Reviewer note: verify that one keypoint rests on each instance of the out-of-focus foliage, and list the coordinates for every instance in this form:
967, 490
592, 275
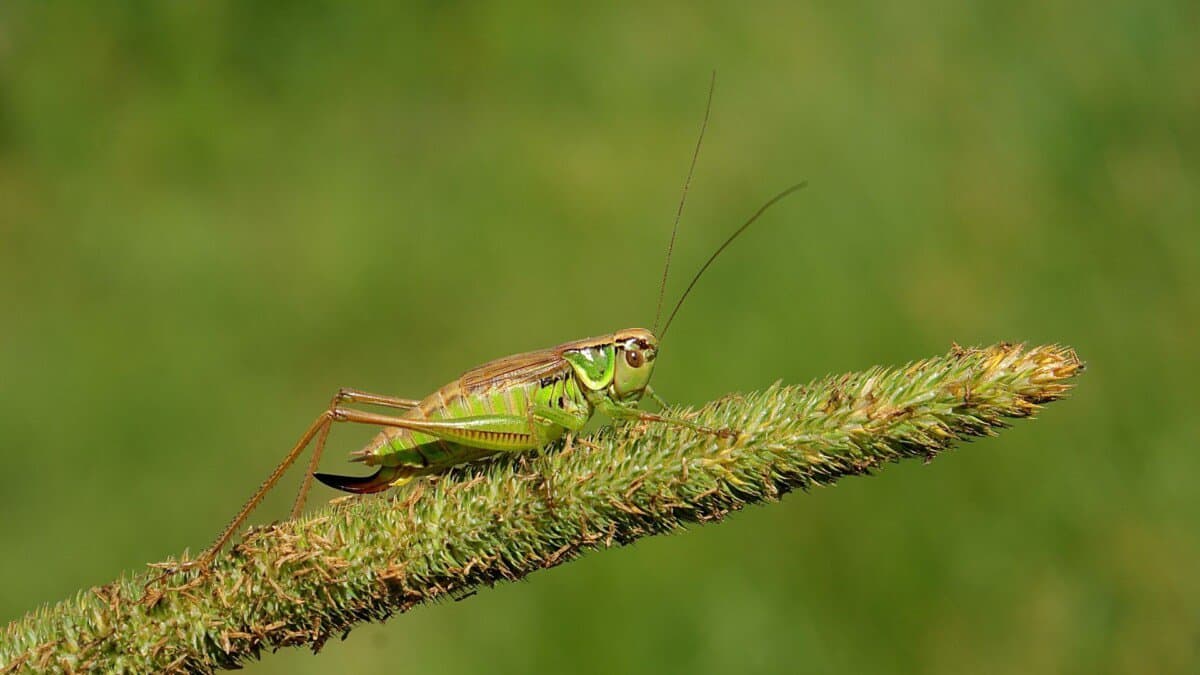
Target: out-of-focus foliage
214, 214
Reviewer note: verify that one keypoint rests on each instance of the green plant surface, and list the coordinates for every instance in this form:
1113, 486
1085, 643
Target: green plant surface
304, 581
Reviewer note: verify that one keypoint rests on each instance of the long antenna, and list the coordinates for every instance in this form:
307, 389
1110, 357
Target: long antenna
662, 289
762, 209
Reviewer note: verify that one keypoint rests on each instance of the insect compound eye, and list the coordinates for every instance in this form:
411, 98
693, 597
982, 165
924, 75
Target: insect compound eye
634, 358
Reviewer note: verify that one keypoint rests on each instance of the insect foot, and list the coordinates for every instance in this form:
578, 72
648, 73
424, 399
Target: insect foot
724, 433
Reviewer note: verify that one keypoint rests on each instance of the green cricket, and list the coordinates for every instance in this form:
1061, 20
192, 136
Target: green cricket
514, 404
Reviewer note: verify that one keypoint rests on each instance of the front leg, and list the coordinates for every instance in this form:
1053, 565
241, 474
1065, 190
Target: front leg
618, 411
657, 399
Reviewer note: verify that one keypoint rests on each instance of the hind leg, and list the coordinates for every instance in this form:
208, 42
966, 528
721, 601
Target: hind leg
318, 430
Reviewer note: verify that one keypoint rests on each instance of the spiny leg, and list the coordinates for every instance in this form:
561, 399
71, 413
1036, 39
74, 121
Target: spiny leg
347, 395
657, 399
651, 417
320, 429
630, 413
321, 424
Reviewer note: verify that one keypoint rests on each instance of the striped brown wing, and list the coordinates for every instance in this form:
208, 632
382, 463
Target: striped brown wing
527, 367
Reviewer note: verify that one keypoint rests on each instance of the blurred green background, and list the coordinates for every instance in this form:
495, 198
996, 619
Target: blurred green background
214, 214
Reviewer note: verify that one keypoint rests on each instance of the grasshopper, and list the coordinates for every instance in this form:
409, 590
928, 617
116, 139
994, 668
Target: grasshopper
514, 404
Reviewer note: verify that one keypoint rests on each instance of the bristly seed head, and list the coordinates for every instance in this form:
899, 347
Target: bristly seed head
305, 580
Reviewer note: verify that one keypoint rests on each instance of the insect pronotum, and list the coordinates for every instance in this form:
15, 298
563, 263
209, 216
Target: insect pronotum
513, 404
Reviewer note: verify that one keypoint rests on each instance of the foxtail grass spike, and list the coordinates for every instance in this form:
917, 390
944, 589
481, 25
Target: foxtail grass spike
303, 581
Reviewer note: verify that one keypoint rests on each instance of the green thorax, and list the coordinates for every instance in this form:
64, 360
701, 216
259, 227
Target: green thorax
593, 365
